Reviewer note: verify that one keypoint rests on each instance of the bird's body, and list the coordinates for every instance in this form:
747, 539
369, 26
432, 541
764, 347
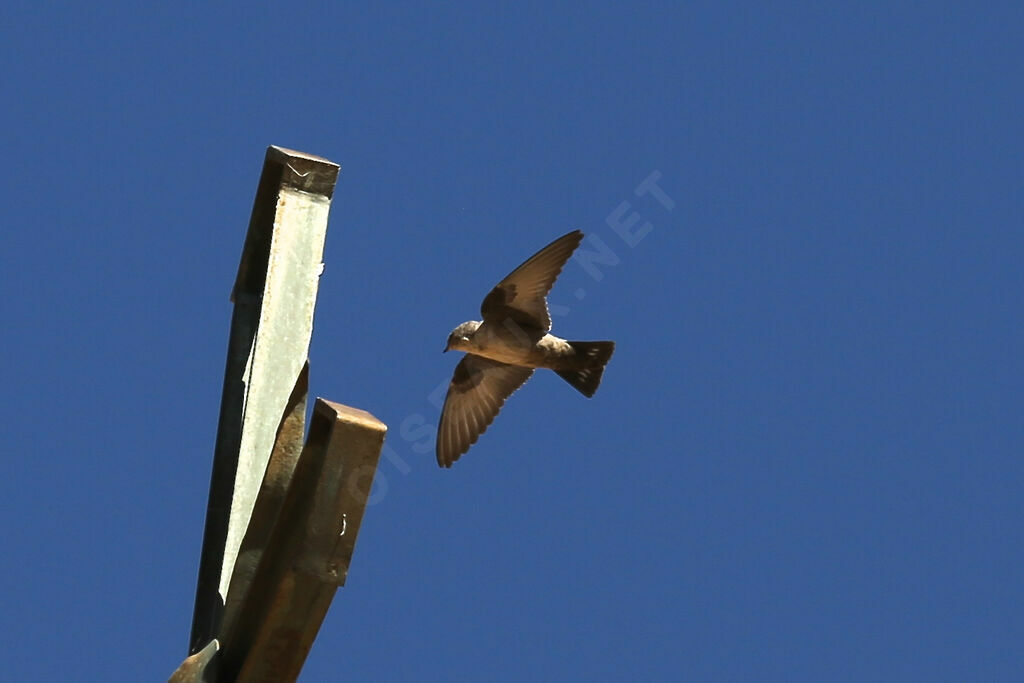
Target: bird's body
517, 346
503, 350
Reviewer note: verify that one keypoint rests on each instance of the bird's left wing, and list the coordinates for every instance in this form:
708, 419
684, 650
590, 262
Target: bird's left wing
477, 391
521, 296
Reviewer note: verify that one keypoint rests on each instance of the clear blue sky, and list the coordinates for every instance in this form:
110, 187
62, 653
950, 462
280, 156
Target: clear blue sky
804, 462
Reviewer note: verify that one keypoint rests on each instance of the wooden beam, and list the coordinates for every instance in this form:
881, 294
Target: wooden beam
309, 551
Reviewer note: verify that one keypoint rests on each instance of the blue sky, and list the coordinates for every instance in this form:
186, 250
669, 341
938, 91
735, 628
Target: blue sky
804, 462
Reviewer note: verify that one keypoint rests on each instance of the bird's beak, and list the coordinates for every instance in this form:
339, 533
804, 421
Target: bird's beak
445, 350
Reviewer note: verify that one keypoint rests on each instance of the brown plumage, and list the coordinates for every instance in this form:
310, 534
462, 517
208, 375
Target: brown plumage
503, 350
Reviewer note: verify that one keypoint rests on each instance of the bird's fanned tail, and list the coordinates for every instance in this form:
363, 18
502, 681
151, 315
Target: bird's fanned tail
591, 358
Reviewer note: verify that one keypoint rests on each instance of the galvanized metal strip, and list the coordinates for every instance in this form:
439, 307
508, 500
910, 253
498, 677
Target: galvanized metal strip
274, 295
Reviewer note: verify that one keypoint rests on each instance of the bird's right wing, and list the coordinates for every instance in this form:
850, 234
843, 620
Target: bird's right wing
478, 389
522, 295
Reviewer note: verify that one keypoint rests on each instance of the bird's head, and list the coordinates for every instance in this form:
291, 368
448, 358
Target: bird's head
458, 340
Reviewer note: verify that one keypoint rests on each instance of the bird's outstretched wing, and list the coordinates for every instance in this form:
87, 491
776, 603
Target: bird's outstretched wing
521, 296
478, 389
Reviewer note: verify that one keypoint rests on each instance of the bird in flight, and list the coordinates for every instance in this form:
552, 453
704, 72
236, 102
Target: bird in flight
503, 350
